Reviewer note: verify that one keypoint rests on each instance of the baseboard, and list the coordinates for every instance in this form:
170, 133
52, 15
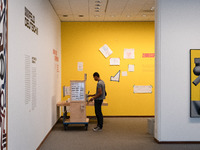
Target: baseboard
177, 142
124, 116
47, 135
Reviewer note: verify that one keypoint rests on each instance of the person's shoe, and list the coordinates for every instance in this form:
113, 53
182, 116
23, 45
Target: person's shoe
97, 129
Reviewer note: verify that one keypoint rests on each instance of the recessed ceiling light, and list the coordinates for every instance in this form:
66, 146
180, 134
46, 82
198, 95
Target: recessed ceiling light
97, 1
144, 15
65, 15
81, 15
97, 7
152, 8
97, 4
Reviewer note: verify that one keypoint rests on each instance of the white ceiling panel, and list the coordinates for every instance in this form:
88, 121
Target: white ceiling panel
79, 7
116, 7
61, 7
104, 10
97, 18
112, 18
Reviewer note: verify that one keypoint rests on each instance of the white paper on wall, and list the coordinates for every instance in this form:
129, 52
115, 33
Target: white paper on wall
124, 73
105, 50
114, 61
31, 82
66, 90
116, 77
131, 68
129, 53
142, 89
80, 66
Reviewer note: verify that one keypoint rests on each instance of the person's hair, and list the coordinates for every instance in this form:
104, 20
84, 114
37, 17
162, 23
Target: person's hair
96, 74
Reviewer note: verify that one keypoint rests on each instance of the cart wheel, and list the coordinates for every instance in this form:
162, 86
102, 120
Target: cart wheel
86, 127
66, 127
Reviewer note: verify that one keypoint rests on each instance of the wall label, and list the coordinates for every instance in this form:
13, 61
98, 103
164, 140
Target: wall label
30, 21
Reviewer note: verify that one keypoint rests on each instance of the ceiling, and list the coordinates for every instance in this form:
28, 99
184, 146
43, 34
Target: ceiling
104, 10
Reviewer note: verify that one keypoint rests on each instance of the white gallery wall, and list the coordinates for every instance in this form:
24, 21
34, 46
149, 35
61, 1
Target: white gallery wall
34, 76
177, 31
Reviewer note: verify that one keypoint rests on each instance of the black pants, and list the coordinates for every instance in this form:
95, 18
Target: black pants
99, 115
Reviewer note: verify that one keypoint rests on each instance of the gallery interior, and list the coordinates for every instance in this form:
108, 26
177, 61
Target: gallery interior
146, 52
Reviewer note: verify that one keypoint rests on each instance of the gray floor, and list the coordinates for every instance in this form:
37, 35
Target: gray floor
118, 134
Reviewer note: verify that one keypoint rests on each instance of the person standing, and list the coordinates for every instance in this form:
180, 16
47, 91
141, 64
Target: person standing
98, 100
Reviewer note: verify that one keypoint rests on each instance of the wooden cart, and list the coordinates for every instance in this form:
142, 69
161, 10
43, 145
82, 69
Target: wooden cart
77, 105
67, 122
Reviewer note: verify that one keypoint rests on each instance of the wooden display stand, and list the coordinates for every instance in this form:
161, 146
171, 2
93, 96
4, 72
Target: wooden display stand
77, 111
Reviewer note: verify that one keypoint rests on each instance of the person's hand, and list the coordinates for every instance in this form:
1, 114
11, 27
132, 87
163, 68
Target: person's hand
90, 95
91, 99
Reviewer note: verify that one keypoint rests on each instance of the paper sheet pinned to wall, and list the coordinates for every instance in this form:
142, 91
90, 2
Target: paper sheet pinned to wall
129, 53
80, 66
131, 68
105, 50
142, 89
66, 90
114, 61
124, 73
116, 77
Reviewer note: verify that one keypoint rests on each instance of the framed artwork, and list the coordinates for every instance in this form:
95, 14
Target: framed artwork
194, 83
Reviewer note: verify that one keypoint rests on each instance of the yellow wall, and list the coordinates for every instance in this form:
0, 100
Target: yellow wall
81, 42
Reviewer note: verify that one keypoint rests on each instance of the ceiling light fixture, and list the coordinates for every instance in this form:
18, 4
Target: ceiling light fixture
97, 7
144, 15
97, 4
97, 1
97, 10
152, 8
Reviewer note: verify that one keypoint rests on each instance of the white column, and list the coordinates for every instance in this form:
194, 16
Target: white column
177, 31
